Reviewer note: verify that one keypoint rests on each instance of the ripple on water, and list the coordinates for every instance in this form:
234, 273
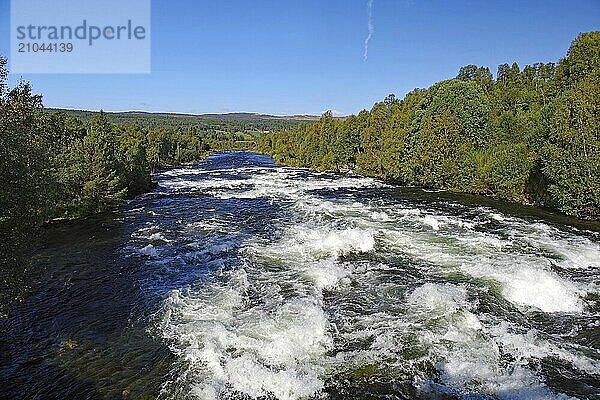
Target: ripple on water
348, 290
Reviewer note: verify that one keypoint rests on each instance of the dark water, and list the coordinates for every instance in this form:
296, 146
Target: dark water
236, 278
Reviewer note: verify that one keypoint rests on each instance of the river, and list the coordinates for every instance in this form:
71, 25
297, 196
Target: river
237, 279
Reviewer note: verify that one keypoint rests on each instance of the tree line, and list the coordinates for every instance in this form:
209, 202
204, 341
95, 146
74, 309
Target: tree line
66, 164
530, 135
53, 165
199, 124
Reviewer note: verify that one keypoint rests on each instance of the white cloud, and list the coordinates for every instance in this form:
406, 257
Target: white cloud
370, 28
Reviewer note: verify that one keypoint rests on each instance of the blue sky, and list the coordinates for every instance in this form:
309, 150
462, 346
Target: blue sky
305, 56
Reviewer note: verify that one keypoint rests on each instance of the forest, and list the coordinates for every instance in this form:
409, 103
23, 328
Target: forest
67, 164
530, 135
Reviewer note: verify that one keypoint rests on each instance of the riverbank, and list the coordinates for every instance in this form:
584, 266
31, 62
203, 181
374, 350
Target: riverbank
526, 135
526, 207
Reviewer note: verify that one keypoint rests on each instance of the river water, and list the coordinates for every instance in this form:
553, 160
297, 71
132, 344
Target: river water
239, 279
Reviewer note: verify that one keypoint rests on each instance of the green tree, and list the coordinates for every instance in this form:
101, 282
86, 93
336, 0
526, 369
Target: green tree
583, 59
571, 156
133, 159
435, 153
466, 101
23, 159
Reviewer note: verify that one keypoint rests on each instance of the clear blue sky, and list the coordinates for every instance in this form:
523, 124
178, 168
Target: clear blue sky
306, 56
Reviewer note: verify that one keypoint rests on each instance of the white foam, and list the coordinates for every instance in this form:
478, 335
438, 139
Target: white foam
439, 299
306, 243
432, 222
525, 346
467, 357
526, 279
326, 275
281, 183
157, 237
149, 250
255, 350
541, 289
262, 328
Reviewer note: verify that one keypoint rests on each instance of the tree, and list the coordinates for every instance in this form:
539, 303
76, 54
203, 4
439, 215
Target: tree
571, 156
97, 168
347, 144
466, 101
133, 161
390, 100
467, 73
371, 141
583, 59
434, 156
23, 158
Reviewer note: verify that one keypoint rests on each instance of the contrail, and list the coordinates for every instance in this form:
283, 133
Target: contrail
369, 27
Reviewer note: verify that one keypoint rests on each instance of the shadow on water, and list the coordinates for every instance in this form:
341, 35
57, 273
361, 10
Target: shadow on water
77, 328
79, 303
530, 213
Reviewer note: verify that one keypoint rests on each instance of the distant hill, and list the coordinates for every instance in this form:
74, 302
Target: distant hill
236, 116
253, 116
203, 124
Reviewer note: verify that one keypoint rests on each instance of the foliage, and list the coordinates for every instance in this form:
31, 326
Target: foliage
530, 135
56, 165
571, 155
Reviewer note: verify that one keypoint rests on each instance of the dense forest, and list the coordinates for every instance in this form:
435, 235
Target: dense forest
65, 164
531, 135
55, 166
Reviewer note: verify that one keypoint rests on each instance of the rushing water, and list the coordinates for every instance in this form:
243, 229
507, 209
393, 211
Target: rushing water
239, 279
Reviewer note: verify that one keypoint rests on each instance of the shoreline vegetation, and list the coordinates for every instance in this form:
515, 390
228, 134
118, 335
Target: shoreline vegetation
530, 136
62, 165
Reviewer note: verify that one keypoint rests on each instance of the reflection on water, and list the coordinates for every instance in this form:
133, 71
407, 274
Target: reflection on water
237, 278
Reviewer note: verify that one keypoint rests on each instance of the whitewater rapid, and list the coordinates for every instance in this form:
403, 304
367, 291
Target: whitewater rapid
288, 284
